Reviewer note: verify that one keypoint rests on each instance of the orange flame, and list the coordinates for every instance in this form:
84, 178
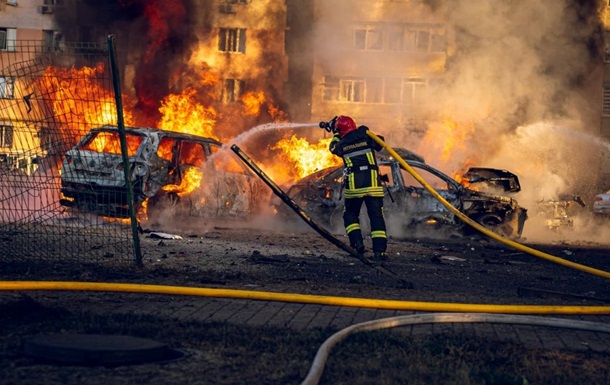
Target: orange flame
306, 157
252, 102
182, 113
190, 182
447, 142
68, 87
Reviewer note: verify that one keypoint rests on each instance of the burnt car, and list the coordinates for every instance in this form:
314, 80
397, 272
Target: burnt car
410, 205
189, 174
558, 214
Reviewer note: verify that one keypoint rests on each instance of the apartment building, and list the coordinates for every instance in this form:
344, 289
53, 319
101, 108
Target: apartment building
605, 118
376, 59
247, 46
24, 24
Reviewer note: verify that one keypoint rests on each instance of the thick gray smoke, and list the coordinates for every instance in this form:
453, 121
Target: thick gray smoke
521, 89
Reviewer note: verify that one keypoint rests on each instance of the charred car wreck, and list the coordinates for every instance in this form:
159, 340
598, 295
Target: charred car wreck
412, 206
188, 174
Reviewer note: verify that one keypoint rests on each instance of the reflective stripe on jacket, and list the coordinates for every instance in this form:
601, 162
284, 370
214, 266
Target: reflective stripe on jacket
358, 153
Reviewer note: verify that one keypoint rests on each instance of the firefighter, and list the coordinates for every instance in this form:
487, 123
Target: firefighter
361, 181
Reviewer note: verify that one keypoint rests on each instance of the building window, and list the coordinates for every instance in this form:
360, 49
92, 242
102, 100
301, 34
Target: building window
330, 88
232, 90
6, 136
7, 39
7, 87
11, 2
409, 37
53, 40
368, 38
411, 90
53, 2
374, 90
232, 40
606, 100
351, 90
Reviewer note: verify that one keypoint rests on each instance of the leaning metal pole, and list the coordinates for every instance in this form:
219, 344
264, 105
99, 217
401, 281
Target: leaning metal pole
322, 231
116, 82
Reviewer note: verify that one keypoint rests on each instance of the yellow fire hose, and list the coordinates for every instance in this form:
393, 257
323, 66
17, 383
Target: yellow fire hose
303, 298
340, 301
477, 226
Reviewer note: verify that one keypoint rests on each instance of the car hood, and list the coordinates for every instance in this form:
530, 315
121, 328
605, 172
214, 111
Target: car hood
491, 176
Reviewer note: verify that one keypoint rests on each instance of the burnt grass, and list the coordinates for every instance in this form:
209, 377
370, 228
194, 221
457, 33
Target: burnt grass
478, 271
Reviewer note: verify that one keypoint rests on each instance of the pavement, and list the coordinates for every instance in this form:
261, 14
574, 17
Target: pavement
301, 316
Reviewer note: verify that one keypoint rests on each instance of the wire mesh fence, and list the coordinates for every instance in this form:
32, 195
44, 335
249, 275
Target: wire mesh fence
50, 96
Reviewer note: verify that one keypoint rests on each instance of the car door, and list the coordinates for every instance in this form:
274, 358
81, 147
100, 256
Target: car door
419, 204
228, 189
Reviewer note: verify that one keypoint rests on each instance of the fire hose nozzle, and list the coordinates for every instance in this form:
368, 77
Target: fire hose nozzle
329, 126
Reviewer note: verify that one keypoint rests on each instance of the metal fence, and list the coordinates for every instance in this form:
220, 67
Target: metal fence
50, 96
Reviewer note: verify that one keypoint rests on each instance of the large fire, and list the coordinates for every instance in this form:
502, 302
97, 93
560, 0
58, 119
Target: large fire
181, 112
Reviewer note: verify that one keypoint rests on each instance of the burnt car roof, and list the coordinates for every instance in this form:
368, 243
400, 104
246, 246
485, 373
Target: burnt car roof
505, 179
159, 131
406, 155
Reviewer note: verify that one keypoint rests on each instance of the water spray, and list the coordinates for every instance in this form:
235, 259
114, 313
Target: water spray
268, 127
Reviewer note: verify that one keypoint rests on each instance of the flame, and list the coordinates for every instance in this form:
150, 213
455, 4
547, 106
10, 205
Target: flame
307, 158
447, 143
68, 88
182, 113
190, 182
252, 102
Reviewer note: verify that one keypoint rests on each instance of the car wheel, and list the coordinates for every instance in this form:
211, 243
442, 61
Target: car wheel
495, 223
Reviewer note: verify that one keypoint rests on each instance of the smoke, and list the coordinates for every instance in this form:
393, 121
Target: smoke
519, 89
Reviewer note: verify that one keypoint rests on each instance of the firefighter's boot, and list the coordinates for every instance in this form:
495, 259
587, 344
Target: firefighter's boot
359, 247
379, 256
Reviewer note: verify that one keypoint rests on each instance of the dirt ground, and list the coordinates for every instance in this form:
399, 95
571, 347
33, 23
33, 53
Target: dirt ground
295, 259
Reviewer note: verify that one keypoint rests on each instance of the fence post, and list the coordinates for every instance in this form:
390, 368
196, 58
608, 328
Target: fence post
116, 82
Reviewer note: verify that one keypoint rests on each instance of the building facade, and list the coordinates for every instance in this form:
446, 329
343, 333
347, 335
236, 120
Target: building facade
604, 179
377, 60
27, 28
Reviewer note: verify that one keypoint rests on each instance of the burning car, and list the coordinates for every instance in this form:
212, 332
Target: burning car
480, 196
189, 174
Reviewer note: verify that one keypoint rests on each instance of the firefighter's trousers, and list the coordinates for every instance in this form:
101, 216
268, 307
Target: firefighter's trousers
351, 220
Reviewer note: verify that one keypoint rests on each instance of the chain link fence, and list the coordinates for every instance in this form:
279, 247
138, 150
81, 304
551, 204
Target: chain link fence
50, 96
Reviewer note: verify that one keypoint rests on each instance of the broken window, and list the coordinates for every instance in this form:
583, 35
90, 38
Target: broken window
110, 143
392, 90
6, 136
192, 154
423, 41
374, 90
330, 88
368, 38
232, 90
52, 40
352, 90
232, 40
396, 38
166, 149
7, 87
7, 39
438, 43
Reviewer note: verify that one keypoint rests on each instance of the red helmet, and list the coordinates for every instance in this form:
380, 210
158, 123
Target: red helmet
344, 125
